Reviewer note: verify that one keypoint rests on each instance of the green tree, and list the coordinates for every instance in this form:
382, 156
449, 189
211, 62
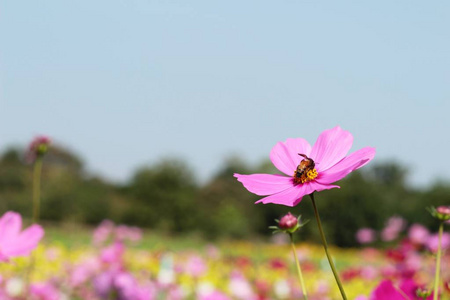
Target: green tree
163, 196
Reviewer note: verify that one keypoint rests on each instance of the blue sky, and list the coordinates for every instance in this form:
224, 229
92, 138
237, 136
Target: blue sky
129, 82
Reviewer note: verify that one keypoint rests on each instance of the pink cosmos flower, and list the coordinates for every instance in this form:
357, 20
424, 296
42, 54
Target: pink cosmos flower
84, 271
131, 233
12, 241
103, 232
45, 291
365, 235
308, 169
240, 288
113, 254
393, 228
418, 234
433, 242
195, 266
215, 295
387, 290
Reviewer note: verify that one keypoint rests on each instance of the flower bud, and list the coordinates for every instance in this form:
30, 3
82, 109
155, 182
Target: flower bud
423, 293
38, 147
442, 213
288, 221
288, 224
444, 210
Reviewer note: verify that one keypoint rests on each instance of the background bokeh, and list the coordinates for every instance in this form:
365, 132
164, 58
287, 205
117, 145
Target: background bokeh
153, 105
168, 197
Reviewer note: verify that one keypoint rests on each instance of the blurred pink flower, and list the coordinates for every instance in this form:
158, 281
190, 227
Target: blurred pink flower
45, 291
107, 229
103, 283
365, 235
433, 242
322, 287
146, 291
387, 290
12, 241
84, 271
126, 286
410, 287
103, 232
113, 254
240, 288
195, 266
369, 272
215, 295
418, 234
323, 164
133, 234
212, 251
122, 284
175, 293
388, 270
393, 228
413, 261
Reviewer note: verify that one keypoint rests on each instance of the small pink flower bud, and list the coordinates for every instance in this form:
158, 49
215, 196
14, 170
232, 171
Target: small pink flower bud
423, 293
38, 147
288, 221
441, 213
443, 210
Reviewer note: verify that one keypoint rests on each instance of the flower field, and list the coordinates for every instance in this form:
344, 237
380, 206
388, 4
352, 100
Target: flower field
120, 262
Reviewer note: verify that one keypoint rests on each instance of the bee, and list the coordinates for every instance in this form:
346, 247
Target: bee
307, 164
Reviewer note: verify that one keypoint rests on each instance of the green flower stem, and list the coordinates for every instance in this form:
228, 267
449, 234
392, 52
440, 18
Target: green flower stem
438, 264
37, 170
325, 246
299, 270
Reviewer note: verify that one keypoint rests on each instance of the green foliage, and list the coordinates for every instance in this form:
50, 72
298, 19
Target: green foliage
166, 196
163, 196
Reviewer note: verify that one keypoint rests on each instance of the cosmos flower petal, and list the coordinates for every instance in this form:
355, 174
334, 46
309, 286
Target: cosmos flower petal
265, 184
331, 146
294, 195
284, 155
287, 197
386, 290
25, 242
10, 225
352, 162
317, 186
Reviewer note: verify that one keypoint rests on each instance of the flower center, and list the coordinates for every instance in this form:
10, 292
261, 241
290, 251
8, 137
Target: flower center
306, 176
305, 171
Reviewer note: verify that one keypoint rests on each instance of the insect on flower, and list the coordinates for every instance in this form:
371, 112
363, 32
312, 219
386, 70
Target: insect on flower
308, 169
305, 170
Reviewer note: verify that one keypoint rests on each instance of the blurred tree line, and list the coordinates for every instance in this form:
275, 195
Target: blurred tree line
167, 196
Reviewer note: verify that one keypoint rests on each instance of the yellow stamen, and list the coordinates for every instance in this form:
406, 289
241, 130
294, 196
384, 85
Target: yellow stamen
310, 175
